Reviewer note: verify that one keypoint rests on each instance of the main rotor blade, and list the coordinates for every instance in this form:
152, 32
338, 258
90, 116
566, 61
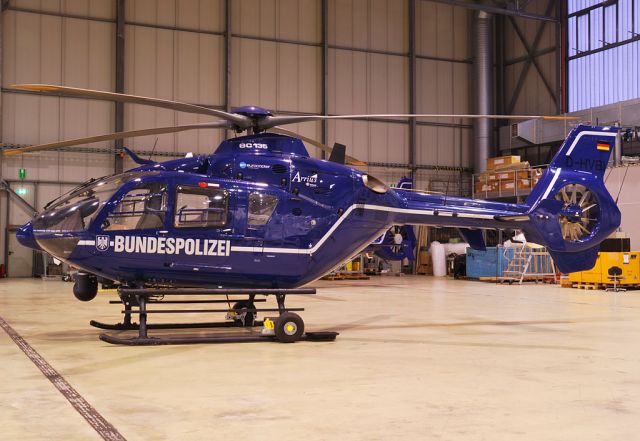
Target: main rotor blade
272, 121
119, 135
240, 121
325, 148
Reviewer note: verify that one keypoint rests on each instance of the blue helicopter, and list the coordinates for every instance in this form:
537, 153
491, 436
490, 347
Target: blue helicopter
262, 216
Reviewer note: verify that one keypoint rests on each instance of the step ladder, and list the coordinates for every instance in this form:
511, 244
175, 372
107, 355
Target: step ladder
528, 263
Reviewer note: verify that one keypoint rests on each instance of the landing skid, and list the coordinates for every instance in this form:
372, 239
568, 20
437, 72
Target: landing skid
287, 327
148, 341
136, 326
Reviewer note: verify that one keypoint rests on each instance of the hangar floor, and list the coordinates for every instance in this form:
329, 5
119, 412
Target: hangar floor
417, 358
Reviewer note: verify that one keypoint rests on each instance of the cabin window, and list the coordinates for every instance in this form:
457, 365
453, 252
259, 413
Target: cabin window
200, 207
142, 208
261, 208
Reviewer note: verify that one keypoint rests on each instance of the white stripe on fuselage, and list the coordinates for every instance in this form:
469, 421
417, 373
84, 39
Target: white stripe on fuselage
556, 175
328, 234
581, 134
346, 214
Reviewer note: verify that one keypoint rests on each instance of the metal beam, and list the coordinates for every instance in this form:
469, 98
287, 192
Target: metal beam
5, 245
500, 75
495, 9
324, 13
4, 185
227, 55
531, 60
559, 55
537, 54
118, 165
413, 132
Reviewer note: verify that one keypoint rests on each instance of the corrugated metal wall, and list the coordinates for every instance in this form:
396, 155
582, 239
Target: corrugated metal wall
176, 50
603, 50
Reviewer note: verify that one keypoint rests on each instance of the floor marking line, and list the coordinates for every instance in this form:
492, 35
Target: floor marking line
88, 412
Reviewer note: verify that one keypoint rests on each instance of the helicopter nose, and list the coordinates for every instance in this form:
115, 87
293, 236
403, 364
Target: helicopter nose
26, 238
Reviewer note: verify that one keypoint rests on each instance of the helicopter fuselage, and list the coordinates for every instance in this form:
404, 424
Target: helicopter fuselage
260, 212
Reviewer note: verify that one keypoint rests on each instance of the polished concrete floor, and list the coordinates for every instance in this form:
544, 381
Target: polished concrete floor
417, 358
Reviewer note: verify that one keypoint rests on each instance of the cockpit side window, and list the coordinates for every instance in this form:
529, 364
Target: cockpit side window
261, 208
200, 207
142, 208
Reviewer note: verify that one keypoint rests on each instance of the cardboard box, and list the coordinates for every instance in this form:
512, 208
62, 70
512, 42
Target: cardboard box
492, 163
482, 187
522, 184
426, 264
507, 185
508, 175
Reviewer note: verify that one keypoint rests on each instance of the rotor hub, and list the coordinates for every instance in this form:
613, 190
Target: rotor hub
579, 215
572, 212
253, 112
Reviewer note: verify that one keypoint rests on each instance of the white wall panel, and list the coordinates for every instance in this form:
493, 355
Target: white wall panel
443, 31
443, 146
201, 15
369, 24
173, 65
105, 9
276, 75
296, 20
372, 141
47, 49
367, 83
629, 201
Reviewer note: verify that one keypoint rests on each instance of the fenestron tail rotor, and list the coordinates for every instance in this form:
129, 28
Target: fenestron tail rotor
580, 213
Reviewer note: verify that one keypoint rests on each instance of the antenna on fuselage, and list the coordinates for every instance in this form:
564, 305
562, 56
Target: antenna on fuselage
153, 149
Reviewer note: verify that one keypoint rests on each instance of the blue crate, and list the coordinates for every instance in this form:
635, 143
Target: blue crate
489, 263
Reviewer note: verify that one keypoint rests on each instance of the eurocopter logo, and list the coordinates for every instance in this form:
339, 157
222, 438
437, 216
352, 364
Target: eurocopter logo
165, 245
253, 166
307, 180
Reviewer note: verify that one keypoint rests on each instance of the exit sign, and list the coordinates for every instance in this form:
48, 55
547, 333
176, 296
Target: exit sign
22, 173
22, 191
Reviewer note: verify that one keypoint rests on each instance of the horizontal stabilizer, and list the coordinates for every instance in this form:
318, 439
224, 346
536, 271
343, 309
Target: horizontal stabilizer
571, 262
473, 238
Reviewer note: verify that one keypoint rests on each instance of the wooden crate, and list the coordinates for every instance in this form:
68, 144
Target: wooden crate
508, 175
499, 161
522, 184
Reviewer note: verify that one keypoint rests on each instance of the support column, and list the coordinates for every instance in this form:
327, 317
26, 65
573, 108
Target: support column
227, 59
4, 223
119, 115
559, 57
500, 79
227, 55
412, 89
483, 79
325, 72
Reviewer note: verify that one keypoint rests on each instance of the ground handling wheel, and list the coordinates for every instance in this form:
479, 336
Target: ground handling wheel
289, 327
249, 317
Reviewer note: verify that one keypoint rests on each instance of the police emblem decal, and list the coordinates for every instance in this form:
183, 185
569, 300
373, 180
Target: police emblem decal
102, 243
